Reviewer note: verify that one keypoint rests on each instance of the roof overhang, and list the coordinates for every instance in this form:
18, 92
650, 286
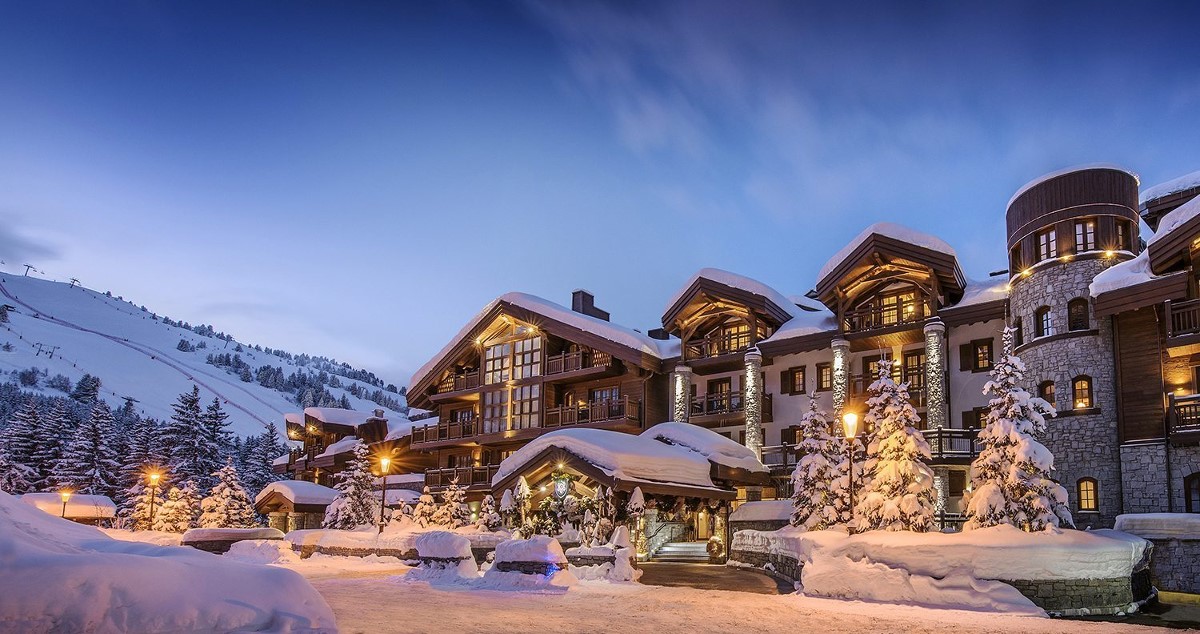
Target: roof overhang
1148, 293
1175, 247
876, 255
704, 290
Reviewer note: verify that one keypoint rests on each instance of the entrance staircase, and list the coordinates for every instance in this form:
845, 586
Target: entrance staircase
690, 552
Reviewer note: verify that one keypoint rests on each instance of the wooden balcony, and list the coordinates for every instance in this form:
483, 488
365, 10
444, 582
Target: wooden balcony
952, 446
716, 354
725, 408
455, 384
1183, 419
622, 409
444, 433
859, 390
1183, 322
578, 366
876, 318
476, 478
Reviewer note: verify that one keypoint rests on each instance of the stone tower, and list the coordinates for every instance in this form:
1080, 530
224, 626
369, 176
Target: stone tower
1064, 229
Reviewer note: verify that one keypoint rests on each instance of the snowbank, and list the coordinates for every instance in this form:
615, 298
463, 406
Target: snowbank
298, 492
1123, 275
713, 446
1160, 525
78, 506
890, 230
158, 538
540, 548
344, 445
62, 576
443, 545
763, 511
228, 534
1185, 182
263, 551
619, 455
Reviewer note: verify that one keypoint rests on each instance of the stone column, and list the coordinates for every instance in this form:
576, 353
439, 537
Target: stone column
935, 375
941, 484
841, 375
681, 393
752, 401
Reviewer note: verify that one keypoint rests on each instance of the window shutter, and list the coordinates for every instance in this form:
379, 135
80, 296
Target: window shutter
785, 382
965, 353
968, 420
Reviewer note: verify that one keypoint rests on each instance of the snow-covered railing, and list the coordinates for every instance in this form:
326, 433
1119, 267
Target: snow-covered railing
877, 317
1183, 415
466, 476
579, 360
454, 430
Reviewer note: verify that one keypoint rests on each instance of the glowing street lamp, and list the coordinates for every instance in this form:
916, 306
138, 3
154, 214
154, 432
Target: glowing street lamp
154, 476
384, 464
65, 494
850, 427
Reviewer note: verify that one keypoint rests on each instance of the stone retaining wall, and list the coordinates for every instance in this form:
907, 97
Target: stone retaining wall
757, 525
527, 567
218, 546
590, 560
1175, 566
776, 564
307, 550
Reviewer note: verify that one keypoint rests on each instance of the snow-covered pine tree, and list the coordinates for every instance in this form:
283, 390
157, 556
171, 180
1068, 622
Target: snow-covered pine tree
216, 439
606, 515
453, 511
21, 439
195, 452
898, 493
87, 390
142, 500
143, 454
227, 505
180, 510
87, 464
423, 512
268, 447
635, 509
14, 476
523, 494
587, 529
57, 426
508, 507
355, 504
814, 501
1011, 481
489, 519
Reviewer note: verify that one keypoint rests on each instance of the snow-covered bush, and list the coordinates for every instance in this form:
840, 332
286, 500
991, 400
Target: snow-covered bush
424, 511
453, 512
179, 509
816, 505
227, 505
488, 518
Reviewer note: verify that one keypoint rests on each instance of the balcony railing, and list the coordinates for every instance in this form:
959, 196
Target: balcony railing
860, 384
466, 476
594, 412
718, 345
456, 382
453, 430
728, 403
1183, 318
1183, 419
572, 361
877, 317
945, 442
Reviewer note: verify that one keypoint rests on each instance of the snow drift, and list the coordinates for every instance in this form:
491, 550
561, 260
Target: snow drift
62, 576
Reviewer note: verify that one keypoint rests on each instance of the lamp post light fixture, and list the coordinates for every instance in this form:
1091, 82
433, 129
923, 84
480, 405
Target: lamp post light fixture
154, 476
850, 427
65, 494
384, 464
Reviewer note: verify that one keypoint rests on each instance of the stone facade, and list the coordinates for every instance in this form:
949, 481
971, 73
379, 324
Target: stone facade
1084, 442
529, 567
1176, 565
757, 525
307, 550
1144, 480
1184, 462
591, 560
777, 564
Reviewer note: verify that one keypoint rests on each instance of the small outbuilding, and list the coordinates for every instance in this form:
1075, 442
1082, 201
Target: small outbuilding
294, 504
82, 508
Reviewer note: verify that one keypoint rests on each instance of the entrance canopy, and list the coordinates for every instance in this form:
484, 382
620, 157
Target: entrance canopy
667, 459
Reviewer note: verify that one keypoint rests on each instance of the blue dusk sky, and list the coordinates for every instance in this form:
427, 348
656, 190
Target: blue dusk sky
358, 179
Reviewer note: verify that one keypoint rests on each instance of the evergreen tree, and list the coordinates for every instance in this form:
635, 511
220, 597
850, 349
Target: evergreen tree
508, 507
523, 494
56, 428
898, 494
489, 519
1011, 480
606, 515
216, 438
184, 440
14, 476
21, 440
3, 313
87, 390
453, 512
143, 454
634, 510
143, 502
423, 513
259, 459
180, 510
814, 500
355, 504
227, 505
87, 464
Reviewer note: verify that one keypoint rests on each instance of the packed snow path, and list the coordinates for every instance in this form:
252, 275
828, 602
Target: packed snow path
379, 603
155, 355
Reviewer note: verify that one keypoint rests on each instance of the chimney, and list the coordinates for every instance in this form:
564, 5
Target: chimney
584, 303
378, 413
659, 333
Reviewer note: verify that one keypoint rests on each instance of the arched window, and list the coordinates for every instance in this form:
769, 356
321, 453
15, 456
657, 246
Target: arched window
1086, 489
1046, 391
1081, 392
1043, 322
1077, 314
1191, 492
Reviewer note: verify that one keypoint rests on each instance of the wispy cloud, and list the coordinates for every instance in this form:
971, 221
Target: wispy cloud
17, 249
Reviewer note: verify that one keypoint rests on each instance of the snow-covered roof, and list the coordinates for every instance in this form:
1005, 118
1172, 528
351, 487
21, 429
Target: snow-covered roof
740, 282
79, 506
890, 230
294, 418
298, 492
339, 416
607, 330
1063, 172
1123, 275
803, 324
763, 510
401, 426
1175, 219
1185, 182
983, 291
284, 459
621, 456
343, 445
713, 446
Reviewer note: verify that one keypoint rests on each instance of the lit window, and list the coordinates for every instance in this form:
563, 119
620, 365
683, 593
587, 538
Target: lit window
495, 411
794, 380
1081, 392
824, 376
982, 356
1047, 244
1085, 235
1087, 494
1077, 314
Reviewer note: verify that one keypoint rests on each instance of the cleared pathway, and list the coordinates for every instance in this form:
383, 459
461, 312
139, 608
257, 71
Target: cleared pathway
711, 577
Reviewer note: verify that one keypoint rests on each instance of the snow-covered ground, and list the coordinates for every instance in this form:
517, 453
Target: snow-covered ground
373, 604
134, 354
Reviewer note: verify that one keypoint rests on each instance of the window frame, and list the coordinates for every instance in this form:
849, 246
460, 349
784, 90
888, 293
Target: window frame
1043, 322
1047, 388
1082, 495
1191, 493
1085, 235
1047, 244
1073, 325
824, 377
1088, 393
976, 346
790, 375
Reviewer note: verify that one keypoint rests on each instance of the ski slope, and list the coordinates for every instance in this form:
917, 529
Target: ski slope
134, 354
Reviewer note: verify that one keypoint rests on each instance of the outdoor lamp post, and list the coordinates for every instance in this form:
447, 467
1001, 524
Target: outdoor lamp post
154, 476
66, 495
850, 427
384, 463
